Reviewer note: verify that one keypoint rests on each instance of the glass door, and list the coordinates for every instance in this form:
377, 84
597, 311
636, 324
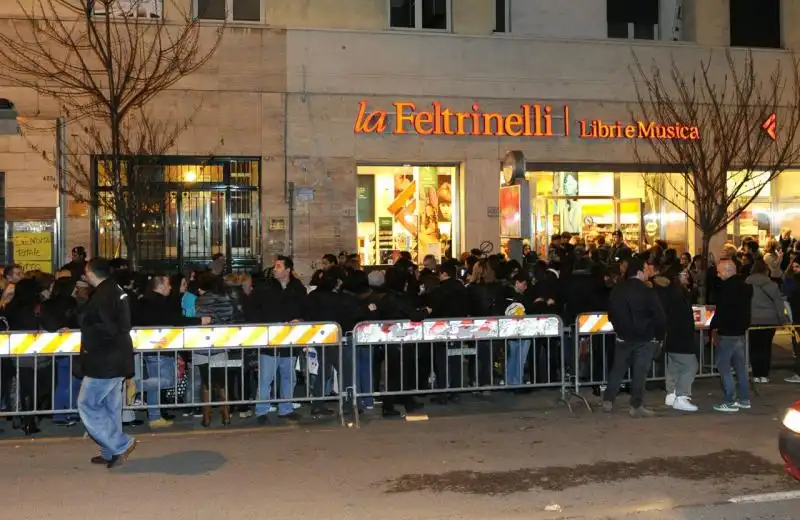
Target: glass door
629, 221
202, 225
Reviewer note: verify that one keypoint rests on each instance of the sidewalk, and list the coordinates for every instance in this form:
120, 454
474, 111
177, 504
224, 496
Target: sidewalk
767, 399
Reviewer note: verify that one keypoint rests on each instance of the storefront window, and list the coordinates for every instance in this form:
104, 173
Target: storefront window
406, 208
757, 219
595, 184
748, 186
673, 219
631, 186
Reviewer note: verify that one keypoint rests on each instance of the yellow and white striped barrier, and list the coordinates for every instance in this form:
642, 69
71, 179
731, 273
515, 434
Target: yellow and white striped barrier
597, 323
594, 323
188, 338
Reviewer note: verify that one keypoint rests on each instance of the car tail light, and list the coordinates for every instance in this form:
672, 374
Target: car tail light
792, 418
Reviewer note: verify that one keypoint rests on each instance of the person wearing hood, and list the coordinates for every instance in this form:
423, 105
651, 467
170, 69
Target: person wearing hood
679, 343
768, 312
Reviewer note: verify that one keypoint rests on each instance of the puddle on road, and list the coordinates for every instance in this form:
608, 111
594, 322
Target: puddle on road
722, 465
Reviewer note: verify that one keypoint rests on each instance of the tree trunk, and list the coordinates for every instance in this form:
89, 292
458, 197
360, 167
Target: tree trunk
705, 252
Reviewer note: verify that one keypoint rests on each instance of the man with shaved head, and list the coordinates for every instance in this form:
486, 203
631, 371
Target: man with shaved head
728, 329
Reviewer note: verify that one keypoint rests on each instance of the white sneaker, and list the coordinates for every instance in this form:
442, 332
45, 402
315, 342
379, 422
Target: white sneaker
794, 379
670, 400
684, 404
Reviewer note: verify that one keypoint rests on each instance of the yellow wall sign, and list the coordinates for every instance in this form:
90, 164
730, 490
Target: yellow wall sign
34, 251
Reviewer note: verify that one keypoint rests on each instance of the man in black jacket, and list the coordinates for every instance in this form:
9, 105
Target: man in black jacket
639, 323
105, 360
281, 299
448, 300
156, 310
728, 328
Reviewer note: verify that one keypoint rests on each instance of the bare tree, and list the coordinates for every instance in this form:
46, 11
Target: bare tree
739, 133
104, 62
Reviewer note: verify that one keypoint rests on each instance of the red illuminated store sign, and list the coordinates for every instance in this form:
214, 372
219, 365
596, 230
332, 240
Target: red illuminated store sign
532, 120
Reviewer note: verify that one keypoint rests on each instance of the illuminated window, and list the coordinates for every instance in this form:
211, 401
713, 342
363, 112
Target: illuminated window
420, 14
406, 208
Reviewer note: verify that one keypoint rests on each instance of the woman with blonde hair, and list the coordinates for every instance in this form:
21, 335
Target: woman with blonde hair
486, 296
773, 257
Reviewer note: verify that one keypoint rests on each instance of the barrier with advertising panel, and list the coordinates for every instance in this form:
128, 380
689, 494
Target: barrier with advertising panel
457, 355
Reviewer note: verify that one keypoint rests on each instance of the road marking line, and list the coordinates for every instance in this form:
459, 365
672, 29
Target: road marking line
765, 497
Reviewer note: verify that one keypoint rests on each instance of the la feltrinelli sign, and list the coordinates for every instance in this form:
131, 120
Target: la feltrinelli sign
532, 120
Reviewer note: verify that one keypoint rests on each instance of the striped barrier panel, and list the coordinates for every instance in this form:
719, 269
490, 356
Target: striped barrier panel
594, 323
597, 323
188, 338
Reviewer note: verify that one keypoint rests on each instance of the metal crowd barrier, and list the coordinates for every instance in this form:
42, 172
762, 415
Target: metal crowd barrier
396, 360
594, 340
225, 366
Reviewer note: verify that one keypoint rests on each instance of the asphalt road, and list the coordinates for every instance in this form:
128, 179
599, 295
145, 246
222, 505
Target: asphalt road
531, 464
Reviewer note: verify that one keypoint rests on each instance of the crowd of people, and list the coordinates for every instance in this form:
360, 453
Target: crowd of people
648, 297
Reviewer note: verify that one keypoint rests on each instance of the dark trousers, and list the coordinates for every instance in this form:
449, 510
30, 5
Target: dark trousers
401, 374
636, 355
448, 368
796, 348
481, 365
761, 351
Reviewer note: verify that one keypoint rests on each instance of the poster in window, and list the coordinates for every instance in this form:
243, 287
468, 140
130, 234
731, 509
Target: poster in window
429, 208
385, 238
445, 193
510, 225
365, 198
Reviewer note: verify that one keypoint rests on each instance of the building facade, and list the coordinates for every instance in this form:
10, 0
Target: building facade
378, 125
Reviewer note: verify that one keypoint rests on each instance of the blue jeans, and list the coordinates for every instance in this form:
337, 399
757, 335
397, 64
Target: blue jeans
361, 372
516, 355
160, 376
67, 388
100, 407
731, 353
268, 367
